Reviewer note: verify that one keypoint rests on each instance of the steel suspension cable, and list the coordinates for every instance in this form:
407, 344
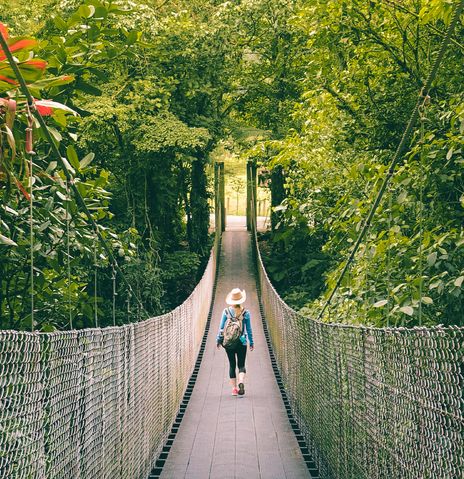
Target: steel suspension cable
68, 253
31, 232
95, 280
63, 162
424, 93
422, 112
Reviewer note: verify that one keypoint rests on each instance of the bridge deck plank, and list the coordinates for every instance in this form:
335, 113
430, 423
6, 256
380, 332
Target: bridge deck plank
222, 436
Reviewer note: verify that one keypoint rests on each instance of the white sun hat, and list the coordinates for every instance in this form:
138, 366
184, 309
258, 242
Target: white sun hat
236, 296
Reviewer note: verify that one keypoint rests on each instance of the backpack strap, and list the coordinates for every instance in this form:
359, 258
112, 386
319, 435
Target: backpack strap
240, 316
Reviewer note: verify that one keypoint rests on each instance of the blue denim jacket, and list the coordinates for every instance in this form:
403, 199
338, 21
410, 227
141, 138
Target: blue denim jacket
247, 331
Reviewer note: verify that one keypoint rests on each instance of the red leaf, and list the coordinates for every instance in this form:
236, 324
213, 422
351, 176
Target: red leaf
23, 190
40, 64
24, 43
8, 80
4, 31
47, 106
19, 45
43, 109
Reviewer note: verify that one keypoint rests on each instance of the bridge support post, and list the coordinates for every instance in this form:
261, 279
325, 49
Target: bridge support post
216, 197
221, 194
251, 188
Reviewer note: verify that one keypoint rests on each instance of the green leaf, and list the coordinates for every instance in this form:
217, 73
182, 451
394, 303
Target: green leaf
11, 211
101, 12
7, 241
87, 160
52, 82
11, 141
51, 167
60, 24
68, 166
48, 328
86, 11
432, 258
88, 88
380, 303
407, 310
44, 226
402, 197
427, 300
55, 133
132, 37
72, 157
458, 281
61, 196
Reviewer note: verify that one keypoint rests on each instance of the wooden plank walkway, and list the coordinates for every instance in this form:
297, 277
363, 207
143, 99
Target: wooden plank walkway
222, 436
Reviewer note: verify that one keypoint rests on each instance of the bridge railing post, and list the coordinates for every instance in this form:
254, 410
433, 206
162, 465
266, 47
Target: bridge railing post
217, 203
251, 193
222, 194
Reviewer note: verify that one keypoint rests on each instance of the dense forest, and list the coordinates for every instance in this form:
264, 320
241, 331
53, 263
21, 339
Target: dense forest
139, 98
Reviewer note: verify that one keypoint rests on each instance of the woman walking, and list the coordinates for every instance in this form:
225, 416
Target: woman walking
234, 334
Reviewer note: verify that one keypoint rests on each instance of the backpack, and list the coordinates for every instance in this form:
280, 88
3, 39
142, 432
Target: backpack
233, 329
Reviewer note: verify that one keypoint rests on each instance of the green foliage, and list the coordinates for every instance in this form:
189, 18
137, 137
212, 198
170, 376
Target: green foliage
317, 92
148, 118
179, 276
365, 63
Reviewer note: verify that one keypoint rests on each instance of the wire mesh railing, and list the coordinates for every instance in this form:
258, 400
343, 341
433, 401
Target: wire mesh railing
372, 403
98, 403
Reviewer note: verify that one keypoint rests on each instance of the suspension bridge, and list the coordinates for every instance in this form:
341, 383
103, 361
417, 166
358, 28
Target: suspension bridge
150, 399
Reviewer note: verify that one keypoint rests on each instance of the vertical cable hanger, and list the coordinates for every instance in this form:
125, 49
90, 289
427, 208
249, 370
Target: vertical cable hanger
389, 226
422, 113
366, 254
68, 254
30, 152
113, 279
95, 280
349, 285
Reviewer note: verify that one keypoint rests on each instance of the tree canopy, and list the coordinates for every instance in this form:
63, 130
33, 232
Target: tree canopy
138, 95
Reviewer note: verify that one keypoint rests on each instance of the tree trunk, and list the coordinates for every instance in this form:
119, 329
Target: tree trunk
199, 207
183, 172
277, 194
163, 204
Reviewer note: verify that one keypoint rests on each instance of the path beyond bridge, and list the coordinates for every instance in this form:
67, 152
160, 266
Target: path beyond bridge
222, 436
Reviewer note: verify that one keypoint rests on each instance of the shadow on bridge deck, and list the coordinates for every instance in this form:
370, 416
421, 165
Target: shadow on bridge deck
222, 436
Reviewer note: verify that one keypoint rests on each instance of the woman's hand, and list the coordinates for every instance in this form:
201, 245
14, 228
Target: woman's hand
252, 347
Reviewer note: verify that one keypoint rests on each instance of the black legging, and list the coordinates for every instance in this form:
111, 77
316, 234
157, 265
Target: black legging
240, 351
